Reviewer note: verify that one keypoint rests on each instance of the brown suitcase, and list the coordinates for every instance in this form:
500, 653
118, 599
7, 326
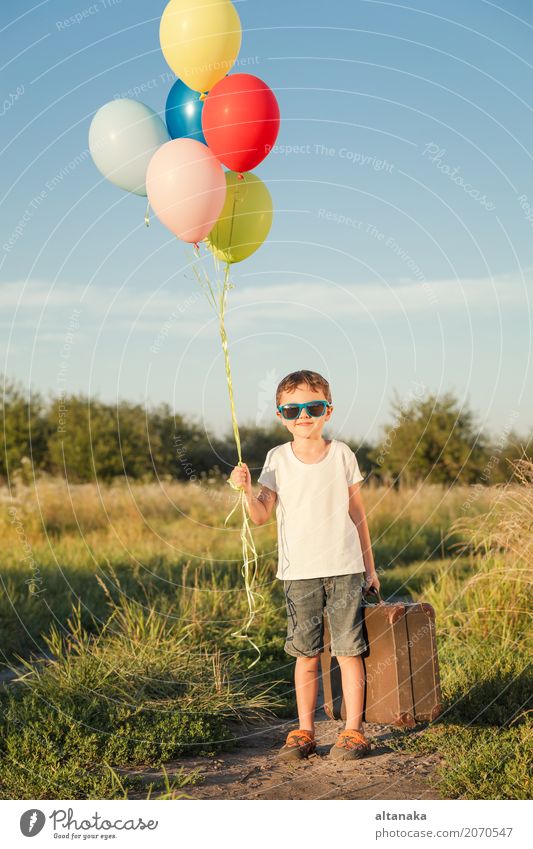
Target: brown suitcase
402, 684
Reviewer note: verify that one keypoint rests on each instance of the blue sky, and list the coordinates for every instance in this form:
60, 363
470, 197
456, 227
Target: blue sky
401, 254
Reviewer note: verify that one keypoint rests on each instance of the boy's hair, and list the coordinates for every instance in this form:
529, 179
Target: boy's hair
314, 380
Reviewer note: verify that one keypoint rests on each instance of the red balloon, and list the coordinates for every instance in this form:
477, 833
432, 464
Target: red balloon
240, 121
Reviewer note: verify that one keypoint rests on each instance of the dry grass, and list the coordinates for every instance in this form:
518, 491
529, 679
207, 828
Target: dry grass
169, 545
484, 628
174, 518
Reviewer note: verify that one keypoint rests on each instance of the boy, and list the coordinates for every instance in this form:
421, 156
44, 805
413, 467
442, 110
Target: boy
324, 551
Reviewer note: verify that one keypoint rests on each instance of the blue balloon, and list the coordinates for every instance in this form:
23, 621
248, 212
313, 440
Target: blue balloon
183, 113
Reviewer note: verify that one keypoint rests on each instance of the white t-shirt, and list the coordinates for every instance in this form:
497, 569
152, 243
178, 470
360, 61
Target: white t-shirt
316, 536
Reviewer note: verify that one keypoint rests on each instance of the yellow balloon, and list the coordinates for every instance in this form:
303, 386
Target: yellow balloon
245, 220
200, 40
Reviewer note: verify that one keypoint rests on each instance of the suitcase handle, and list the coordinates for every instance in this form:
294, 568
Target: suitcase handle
373, 591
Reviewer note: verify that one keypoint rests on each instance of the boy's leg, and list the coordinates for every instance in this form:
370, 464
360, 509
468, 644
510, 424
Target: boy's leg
305, 603
344, 611
353, 690
306, 686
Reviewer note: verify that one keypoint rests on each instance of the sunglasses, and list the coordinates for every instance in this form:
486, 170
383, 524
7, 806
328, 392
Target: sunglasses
315, 409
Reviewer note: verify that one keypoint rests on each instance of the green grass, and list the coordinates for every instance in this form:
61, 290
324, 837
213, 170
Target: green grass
137, 602
484, 641
135, 694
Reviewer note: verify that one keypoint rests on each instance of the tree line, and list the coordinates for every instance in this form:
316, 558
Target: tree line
433, 438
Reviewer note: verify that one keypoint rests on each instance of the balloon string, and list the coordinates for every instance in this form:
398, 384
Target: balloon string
249, 551
224, 340
230, 240
147, 215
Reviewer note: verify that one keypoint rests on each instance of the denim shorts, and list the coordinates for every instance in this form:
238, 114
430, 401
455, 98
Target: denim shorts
341, 598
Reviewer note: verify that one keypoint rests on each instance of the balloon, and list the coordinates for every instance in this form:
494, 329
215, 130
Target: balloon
200, 40
184, 112
245, 219
123, 137
240, 121
186, 188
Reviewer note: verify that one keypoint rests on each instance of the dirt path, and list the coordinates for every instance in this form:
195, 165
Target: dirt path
253, 771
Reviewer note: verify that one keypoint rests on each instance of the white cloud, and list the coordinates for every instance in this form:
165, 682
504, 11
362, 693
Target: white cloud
189, 312
300, 300
34, 294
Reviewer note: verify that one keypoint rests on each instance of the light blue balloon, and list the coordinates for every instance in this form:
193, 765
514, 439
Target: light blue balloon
183, 113
123, 137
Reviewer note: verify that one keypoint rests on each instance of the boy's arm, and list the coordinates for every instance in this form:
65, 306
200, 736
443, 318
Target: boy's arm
260, 507
358, 516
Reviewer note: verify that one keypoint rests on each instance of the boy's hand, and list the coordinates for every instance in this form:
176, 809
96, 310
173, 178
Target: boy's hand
372, 580
241, 477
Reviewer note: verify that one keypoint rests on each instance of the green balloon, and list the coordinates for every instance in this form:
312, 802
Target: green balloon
245, 220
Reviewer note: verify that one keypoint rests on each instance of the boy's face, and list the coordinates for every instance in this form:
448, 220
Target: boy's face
305, 427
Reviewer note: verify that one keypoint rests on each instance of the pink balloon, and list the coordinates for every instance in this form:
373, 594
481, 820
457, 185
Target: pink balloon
186, 188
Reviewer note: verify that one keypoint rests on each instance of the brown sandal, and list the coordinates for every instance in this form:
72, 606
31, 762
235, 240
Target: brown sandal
350, 744
299, 744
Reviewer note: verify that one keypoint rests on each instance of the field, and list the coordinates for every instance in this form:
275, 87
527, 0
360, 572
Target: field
118, 605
